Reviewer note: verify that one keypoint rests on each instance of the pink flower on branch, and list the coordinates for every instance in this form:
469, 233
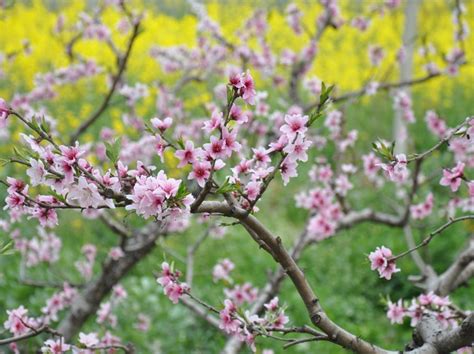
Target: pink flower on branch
295, 124
380, 261
396, 312
453, 177
170, 283
201, 172
57, 346
186, 155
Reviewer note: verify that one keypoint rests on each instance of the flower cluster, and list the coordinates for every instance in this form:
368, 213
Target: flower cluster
422, 210
172, 287
158, 197
436, 124
396, 170
222, 270
18, 322
429, 303
44, 248
245, 327
244, 86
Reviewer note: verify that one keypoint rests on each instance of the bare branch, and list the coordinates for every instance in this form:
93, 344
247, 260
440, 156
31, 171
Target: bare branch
118, 76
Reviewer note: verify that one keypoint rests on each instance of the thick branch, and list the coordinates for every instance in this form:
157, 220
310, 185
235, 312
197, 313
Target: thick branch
437, 340
89, 299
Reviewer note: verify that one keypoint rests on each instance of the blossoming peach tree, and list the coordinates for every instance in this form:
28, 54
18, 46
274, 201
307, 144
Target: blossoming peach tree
228, 161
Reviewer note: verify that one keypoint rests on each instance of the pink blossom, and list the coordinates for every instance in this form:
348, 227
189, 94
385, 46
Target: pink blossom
371, 88
396, 312
435, 124
143, 322
201, 172
85, 195
216, 121
162, 125
235, 80
237, 115
396, 170
89, 340
36, 172
116, 253
272, 305
243, 167
52, 346
320, 227
16, 185
171, 286
105, 315
187, 155
371, 165
222, 270
169, 186
14, 200
297, 150
174, 291
228, 323
217, 148
360, 23
380, 261
242, 293
247, 91
293, 17
295, 124
421, 211
230, 140
342, 185
71, 154
260, 155
47, 217
288, 170
17, 322
471, 188
252, 190
4, 112
453, 177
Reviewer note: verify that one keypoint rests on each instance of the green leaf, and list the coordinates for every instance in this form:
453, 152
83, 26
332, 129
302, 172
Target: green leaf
314, 116
182, 191
58, 196
6, 249
181, 142
228, 187
230, 94
113, 150
149, 129
44, 125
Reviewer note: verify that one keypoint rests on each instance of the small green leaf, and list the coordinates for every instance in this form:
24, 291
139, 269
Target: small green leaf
6, 249
230, 94
182, 191
181, 142
113, 150
149, 129
228, 187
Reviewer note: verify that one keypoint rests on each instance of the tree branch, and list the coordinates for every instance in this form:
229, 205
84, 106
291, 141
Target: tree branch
118, 76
